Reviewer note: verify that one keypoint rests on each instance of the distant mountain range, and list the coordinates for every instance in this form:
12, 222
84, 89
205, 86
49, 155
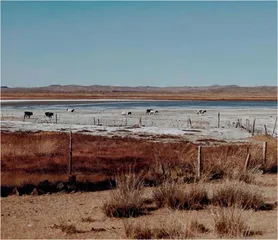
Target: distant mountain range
177, 89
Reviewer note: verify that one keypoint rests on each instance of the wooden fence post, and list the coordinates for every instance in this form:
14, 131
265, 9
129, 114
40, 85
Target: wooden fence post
140, 121
274, 127
94, 121
190, 124
264, 152
219, 120
126, 121
248, 125
70, 153
265, 130
56, 118
98, 121
247, 161
253, 128
247, 149
199, 163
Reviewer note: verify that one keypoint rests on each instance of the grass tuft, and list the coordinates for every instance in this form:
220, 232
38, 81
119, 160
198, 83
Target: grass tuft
229, 222
176, 196
127, 199
236, 193
172, 228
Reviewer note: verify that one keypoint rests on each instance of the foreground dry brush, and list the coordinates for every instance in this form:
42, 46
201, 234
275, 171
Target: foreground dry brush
127, 200
172, 228
239, 194
231, 223
180, 196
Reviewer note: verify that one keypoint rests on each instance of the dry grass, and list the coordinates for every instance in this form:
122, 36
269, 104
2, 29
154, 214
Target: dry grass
237, 194
172, 228
34, 157
127, 200
177, 196
271, 163
250, 176
38, 147
172, 166
231, 223
95, 158
67, 228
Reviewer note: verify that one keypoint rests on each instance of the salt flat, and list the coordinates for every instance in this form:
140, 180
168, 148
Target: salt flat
172, 121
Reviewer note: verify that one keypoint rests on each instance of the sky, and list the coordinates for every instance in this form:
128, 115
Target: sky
138, 43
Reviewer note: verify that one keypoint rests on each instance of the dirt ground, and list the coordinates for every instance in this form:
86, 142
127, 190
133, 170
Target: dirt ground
36, 216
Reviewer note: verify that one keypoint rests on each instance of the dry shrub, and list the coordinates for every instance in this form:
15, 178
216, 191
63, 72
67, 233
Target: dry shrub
172, 228
127, 200
173, 167
219, 163
163, 194
271, 163
177, 196
240, 194
229, 222
249, 176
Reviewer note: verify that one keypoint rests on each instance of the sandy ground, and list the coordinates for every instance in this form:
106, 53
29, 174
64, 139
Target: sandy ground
34, 216
167, 121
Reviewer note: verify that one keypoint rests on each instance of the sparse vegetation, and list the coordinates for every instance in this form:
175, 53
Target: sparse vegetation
235, 193
127, 200
173, 228
178, 196
67, 228
230, 223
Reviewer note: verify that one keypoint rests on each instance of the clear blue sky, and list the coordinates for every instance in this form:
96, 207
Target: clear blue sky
139, 43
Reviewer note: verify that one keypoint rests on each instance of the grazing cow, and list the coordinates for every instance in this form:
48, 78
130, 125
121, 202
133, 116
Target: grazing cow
70, 109
148, 111
156, 112
124, 113
49, 114
152, 112
129, 113
201, 111
28, 114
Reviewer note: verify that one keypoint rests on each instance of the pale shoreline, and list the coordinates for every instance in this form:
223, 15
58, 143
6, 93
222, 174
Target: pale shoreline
169, 121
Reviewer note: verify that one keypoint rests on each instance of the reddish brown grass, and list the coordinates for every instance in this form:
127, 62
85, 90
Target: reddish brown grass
33, 157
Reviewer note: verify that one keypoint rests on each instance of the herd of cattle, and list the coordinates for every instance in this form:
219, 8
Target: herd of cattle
28, 114
149, 111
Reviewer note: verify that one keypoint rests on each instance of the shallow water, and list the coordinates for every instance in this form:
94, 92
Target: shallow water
56, 105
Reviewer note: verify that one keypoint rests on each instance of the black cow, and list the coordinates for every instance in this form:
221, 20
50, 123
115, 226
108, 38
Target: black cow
148, 111
129, 113
28, 114
49, 114
156, 112
201, 112
70, 109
